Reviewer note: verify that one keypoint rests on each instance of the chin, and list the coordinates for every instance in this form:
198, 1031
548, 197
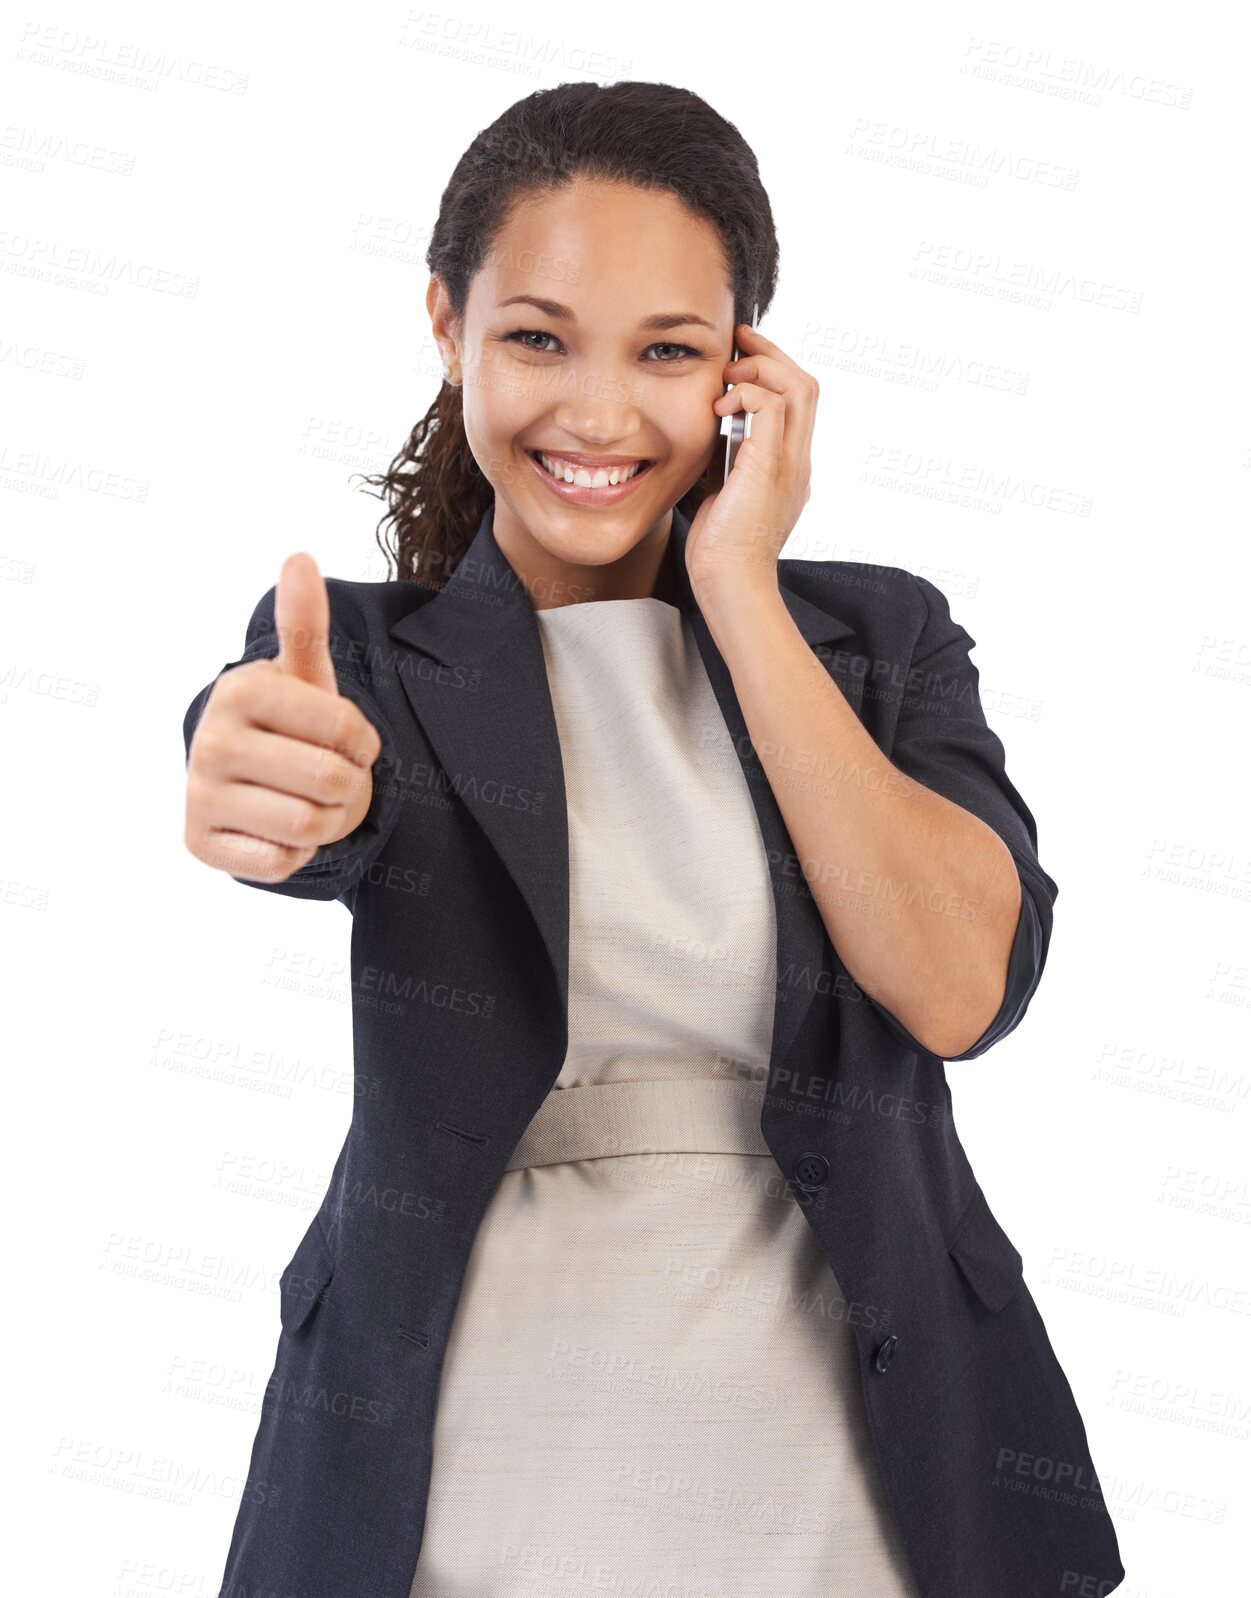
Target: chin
589, 546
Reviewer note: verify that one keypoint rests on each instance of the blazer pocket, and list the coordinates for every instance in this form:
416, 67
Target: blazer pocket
305, 1278
985, 1253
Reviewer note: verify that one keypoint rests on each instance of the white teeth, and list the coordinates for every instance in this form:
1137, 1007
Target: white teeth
581, 477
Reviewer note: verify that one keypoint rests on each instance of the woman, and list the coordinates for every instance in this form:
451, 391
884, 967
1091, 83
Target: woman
652, 1257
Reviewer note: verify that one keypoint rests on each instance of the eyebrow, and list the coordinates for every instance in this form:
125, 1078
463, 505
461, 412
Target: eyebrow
661, 323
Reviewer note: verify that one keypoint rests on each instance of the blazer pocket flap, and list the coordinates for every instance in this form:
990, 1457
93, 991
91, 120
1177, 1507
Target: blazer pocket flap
306, 1278
985, 1254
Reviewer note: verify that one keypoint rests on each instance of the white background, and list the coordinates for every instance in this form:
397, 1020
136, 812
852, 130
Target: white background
212, 266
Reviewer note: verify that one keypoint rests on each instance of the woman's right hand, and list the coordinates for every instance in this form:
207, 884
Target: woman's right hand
281, 762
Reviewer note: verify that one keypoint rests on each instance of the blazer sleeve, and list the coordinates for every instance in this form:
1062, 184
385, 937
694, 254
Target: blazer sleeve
336, 868
943, 741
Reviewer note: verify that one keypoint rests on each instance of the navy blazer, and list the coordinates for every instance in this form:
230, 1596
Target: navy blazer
458, 884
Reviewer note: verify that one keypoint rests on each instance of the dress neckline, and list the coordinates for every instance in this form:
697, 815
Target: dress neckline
599, 605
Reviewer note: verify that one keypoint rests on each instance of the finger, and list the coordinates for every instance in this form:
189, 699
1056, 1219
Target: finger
799, 397
254, 858
767, 370
752, 340
295, 766
798, 387
765, 362
765, 443
297, 709
302, 617
267, 814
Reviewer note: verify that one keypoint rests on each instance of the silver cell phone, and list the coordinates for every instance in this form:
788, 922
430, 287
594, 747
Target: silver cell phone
734, 429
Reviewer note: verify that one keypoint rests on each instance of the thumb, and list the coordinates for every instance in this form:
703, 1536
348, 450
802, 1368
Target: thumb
302, 617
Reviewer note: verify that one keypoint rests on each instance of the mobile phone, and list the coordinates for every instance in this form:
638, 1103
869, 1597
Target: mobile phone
734, 429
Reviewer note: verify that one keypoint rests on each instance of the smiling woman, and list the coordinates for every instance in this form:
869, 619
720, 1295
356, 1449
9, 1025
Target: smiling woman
680, 1277
586, 279
586, 383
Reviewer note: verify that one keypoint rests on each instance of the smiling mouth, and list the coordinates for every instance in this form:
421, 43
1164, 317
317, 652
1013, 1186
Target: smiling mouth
564, 471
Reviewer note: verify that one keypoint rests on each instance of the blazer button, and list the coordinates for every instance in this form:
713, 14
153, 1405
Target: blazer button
886, 1353
811, 1171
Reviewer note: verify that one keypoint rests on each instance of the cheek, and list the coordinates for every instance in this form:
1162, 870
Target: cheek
490, 453
697, 435
499, 413
688, 424
491, 430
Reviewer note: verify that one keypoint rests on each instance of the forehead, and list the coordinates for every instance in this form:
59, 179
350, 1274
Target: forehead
609, 251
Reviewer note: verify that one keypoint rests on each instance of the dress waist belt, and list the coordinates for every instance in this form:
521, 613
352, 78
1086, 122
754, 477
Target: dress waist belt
705, 1115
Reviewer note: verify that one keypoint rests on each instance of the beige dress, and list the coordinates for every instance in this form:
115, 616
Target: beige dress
650, 1383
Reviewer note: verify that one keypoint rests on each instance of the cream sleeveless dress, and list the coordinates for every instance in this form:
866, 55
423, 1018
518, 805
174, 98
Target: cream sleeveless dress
650, 1385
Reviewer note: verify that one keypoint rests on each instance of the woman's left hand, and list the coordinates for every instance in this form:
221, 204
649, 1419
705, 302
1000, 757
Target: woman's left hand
738, 531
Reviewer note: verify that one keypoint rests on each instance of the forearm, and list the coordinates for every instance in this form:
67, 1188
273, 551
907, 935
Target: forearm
920, 898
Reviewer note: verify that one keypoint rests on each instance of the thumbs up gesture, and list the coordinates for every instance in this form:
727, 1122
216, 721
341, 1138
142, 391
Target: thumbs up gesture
281, 762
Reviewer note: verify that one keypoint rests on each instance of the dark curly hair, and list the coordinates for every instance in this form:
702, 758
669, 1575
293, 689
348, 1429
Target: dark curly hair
652, 135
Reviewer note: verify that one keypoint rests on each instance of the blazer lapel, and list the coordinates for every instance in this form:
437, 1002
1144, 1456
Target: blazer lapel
486, 708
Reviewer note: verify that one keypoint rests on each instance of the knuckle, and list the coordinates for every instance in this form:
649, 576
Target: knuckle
264, 864
306, 824
346, 723
370, 740
296, 859
231, 685
245, 685
360, 734
208, 747
195, 796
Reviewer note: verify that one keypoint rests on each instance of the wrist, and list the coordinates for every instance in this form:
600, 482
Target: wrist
726, 600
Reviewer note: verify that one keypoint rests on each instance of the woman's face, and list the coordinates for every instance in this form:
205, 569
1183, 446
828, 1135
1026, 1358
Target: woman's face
620, 323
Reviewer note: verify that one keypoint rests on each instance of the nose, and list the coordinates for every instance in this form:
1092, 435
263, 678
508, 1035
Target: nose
602, 411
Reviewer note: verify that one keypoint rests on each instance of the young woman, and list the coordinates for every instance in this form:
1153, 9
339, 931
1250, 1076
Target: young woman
652, 1260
